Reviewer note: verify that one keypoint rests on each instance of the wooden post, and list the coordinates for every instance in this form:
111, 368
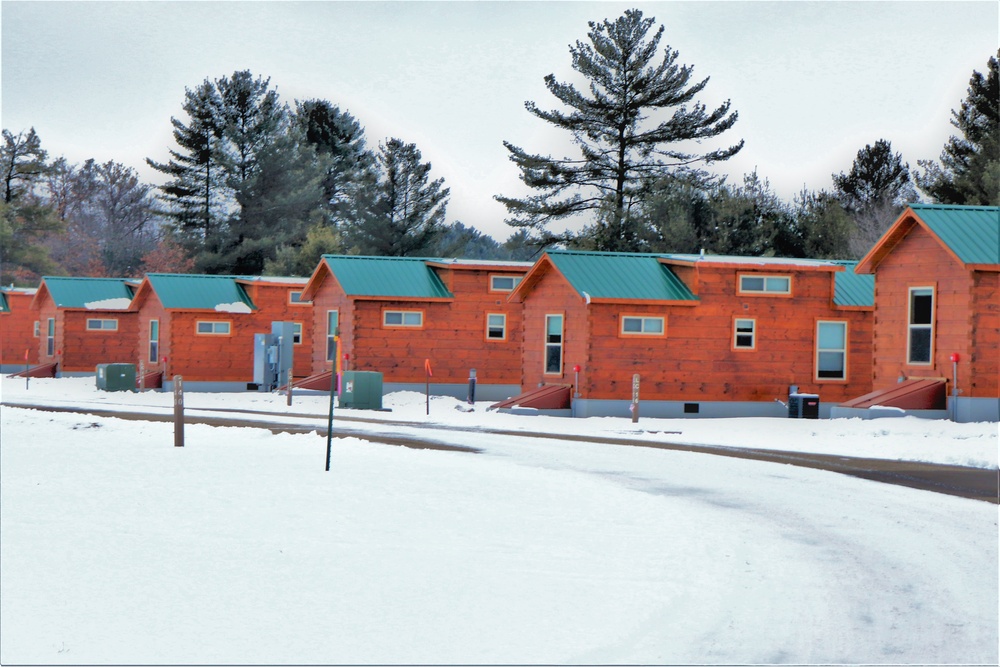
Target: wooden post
289, 402
635, 398
178, 411
427, 383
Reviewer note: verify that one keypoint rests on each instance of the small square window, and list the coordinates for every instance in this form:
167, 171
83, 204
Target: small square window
496, 327
744, 334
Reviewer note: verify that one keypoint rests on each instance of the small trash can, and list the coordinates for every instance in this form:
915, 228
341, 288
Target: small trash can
803, 406
116, 377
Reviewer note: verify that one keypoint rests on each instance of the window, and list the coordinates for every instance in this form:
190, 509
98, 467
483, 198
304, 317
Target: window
214, 328
744, 334
642, 326
403, 318
496, 326
50, 337
761, 284
38, 329
504, 283
154, 341
296, 333
831, 350
102, 325
332, 331
553, 344
296, 298
920, 342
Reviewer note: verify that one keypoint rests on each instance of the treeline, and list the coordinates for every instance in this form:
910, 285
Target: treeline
257, 186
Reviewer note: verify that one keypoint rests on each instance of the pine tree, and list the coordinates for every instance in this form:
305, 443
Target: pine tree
969, 172
196, 192
874, 192
405, 210
622, 146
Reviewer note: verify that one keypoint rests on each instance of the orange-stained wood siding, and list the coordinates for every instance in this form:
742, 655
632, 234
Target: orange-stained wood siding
17, 329
695, 360
83, 350
966, 316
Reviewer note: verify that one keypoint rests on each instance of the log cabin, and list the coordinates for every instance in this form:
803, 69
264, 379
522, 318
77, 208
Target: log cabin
84, 322
937, 306
400, 316
19, 329
202, 327
708, 336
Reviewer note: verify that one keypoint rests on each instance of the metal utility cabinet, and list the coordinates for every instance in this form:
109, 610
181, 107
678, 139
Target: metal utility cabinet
116, 377
361, 390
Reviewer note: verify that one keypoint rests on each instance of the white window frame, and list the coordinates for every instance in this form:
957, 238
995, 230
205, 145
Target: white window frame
296, 302
832, 350
38, 329
406, 319
766, 286
554, 345
644, 320
154, 356
515, 281
50, 337
98, 324
912, 327
296, 333
491, 327
752, 333
214, 325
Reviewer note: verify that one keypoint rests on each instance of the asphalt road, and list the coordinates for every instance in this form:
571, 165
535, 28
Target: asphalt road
975, 483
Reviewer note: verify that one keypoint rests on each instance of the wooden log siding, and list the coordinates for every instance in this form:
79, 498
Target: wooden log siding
695, 360
984, 325
919, 260
83, 350
17, 330
150, 309
329, 297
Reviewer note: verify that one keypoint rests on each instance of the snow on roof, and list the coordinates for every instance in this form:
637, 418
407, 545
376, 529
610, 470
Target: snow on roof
119, 303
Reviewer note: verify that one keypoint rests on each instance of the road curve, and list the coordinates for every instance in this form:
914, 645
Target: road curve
966, 482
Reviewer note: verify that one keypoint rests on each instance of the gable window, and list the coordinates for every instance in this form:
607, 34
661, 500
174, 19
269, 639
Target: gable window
332, 331
496, 326
753, 283
504, 283
553, 344
102, 325
634, 325
403, 318
831, 350
213, 328
50, 337
744, 334
154, 341
920, 338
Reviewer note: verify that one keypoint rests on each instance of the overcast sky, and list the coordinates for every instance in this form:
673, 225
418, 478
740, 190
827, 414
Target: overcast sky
813, 82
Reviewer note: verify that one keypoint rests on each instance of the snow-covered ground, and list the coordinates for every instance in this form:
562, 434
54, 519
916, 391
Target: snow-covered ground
116, 547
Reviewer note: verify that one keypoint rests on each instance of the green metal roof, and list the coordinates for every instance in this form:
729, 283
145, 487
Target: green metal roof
78, 292
610, 275
198, 292
972, 232
853, 289
405, 277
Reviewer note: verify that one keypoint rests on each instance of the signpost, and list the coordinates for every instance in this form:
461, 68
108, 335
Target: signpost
635, 398
427, 383
178, 411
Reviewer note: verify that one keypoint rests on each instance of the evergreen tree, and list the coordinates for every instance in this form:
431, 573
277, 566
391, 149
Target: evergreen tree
26, 219
404, 211
969, 172
750, 220
823, 228
622, 146
677, 216
874, 193
196, 193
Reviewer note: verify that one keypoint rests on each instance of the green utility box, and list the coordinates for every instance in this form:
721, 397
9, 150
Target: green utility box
361, 390
116, 377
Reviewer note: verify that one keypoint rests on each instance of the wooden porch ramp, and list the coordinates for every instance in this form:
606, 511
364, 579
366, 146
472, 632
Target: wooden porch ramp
42, 371
318, 382
915, 394
546, 397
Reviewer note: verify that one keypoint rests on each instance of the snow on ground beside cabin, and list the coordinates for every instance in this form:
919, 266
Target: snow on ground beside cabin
904, 438
239, 548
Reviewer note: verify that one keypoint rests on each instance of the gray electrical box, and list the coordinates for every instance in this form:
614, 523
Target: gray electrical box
116, 377
273, 355
361, 390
